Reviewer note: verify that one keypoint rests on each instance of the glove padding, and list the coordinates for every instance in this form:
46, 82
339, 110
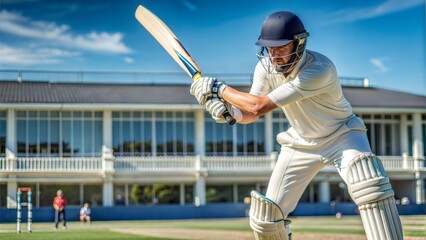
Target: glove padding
202, 89
216, 108
206, 88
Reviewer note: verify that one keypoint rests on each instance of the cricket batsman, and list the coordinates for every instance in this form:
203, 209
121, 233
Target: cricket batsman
305, 85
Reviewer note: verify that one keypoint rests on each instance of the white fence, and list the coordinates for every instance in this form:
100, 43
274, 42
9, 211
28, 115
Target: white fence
172, 163
397, 163
134, 164
42, 164
238, 163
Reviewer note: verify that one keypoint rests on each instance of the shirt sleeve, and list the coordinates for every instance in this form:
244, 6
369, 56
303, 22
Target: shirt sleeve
309, 82
260, 86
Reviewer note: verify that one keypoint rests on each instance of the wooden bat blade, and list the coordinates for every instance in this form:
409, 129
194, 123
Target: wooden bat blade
167, 39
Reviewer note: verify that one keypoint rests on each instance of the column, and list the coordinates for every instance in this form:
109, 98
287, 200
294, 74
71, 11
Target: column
235, 193
182, 194
108, 194
269, 144
108, 171
418, 156
11, 131
200, 191
324, 192
199, 132
404, 134
200, 183
107, 129
12, 188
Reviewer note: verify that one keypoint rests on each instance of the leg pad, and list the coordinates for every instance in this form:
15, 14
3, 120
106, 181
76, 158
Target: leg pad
369, 187
267, 219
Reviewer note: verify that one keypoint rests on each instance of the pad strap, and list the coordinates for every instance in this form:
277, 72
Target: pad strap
267, 219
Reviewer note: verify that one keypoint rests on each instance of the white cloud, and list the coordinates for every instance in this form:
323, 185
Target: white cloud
387, 7
379, 65
62, 35
31, 56
128, 60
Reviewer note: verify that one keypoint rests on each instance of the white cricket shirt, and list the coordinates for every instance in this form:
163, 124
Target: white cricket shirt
311, 98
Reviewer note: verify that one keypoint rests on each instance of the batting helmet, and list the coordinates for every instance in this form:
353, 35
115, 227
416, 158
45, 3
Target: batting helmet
280, 29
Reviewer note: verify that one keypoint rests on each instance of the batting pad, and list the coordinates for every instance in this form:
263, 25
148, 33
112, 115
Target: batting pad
267, 219
369, 187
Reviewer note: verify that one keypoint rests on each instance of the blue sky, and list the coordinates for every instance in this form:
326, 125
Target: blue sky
383, 40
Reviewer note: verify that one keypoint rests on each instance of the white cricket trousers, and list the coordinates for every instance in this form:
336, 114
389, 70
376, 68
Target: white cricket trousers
295, 169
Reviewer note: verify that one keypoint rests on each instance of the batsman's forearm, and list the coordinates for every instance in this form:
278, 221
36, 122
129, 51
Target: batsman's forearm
248, 103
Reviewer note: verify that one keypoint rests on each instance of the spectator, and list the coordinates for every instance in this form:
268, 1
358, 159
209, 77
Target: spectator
85, 214
119, 201
59, 203
405, 201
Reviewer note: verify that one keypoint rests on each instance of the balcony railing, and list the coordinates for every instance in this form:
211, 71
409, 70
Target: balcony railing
216, 164
134, 164
238, 163
397, 163
45, 164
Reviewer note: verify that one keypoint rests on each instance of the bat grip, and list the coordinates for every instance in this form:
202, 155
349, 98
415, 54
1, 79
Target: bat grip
229, 119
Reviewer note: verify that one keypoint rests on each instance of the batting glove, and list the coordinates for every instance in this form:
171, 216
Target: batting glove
206, 88
216, 108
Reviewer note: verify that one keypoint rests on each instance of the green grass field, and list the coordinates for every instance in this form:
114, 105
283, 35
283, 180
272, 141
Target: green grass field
304, 227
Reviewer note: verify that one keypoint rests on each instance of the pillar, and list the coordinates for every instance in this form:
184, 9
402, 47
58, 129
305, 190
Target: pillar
108, 171
324, 192
107, 129
200, 183
182, 194
200, 140
418, 156
12, 187
404, 134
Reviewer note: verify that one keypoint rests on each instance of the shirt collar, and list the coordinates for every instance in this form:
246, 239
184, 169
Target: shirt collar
298, 66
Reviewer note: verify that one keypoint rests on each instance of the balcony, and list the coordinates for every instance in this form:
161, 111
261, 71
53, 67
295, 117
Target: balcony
176, 164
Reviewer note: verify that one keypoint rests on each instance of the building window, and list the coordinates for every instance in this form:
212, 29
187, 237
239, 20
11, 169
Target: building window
383, 133
279, 124
240, 139
219, 193
150, 133
3, 133
59, 133
244, 191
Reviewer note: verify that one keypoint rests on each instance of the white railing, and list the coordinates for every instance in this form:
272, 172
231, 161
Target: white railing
238, 163
397, 163
160, 163
172, 163
48, 164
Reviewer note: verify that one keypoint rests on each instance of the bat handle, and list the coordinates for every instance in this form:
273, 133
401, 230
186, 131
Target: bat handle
229, 119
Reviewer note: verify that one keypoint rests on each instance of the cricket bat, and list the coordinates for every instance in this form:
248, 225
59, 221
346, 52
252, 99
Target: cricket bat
167, 39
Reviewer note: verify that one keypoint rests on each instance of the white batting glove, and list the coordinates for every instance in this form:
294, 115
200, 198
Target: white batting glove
205, 88
217, 107
202, 89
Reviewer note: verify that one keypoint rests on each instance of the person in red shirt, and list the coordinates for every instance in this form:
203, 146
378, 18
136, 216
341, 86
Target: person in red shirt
59, 203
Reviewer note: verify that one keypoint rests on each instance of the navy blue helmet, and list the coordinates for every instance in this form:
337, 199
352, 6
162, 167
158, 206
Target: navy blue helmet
279, 29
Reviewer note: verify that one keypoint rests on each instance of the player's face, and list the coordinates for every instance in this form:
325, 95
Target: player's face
281, 55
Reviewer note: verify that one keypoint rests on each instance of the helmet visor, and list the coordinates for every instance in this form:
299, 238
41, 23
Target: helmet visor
272, 43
